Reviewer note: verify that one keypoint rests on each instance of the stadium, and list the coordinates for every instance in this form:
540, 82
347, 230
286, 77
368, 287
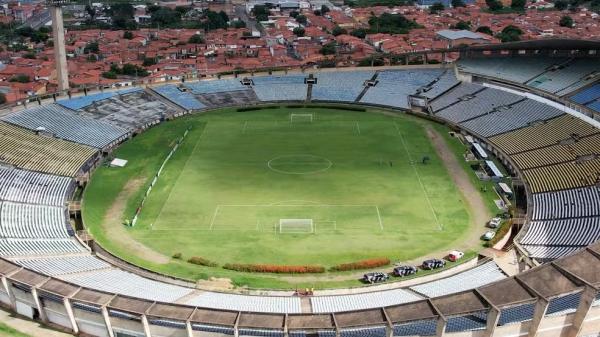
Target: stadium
155, 209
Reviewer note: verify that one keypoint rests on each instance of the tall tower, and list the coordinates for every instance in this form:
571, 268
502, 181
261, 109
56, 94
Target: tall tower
58, 35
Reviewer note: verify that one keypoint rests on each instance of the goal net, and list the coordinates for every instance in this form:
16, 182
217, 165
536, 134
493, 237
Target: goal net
303, 118
296, 226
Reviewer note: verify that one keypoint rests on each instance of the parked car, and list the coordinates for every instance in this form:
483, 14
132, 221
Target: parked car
455, 255
488, 235
495, 222
375, 277
433, 264
405, 270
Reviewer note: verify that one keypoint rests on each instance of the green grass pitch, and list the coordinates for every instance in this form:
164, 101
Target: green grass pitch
358, 176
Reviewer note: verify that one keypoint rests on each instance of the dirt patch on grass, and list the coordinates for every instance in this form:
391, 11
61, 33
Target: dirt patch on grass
113, 226
213, 283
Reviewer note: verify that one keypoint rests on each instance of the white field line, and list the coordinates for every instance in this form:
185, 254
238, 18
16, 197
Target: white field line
179, 176
212, 222
244, 128
358, 128
412, 164
379, 217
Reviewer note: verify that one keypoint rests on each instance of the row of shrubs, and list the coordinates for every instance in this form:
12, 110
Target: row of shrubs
272, 268
285, 269
363, 264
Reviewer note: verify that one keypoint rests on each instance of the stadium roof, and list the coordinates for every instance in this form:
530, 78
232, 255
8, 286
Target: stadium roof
459, 34
548, 44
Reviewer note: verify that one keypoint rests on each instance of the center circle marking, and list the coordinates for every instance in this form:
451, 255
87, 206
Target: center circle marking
299, 164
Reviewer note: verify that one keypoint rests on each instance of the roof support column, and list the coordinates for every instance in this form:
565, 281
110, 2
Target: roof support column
69, 310
492, 321
440, 328
146, 326
188, 328
538, 316
107, 321
9, 292
389, 327
286, 333
38, 304
588, 296
236, 331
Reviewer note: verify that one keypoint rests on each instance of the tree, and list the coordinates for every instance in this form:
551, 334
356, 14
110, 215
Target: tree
485, 30
324, 9
518, 4
317, 12
391, 24
299, 31
213, 20
91, 47
510, 33
301, 19
127, 35
371, 61
121, 15
328, 49
436, 8
149, 61
458, 3
92, 58
109, 74
494, 5
261, 12
165, 17
566, 21
561, 4
360, 33
238, 24
294, 14
2, 98
463, 25
90, 11
29, 55
337, 30
20, 79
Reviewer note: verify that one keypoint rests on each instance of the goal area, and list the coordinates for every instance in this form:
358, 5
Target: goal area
303, 118
296, 226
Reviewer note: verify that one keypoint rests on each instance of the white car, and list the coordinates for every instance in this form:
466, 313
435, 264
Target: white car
495, 222
489, 235
455, 255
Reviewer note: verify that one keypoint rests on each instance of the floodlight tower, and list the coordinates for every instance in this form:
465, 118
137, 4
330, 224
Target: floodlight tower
58, 35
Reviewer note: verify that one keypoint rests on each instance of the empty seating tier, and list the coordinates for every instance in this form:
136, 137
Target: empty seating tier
340, 86
214, 86
182, 98
563, 176
544, 134
80, 102
223, 301
548, 253
394, 86
514, 69
65, 124
39, 247
567, 78
321, 304
512, 117
33, 187
280, 88
579, 202
476, 277
25, 149
567, 232
455, 95
478, 104
588, 95
59, 265
559, 153
32, 221
440, 85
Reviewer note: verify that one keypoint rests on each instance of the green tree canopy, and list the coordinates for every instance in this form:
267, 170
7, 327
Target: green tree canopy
299, 31
485, 30
337, 30
566, 21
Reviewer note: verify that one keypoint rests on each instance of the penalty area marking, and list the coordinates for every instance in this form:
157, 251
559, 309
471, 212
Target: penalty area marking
412, 164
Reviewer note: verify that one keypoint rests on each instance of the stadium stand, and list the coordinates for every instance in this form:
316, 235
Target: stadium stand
25, 149
33, 187
417, 328
587, 95
440, 85
223, 301
455, 95
394, 86
544, 134
594, 106
478, 104
559, 153
59, 265
280, 88
334, 303
215, 86
580, 202
475, 321
548, 253
363, 332
512, 117
58, 121
38, 247
572, 75
131, 111
340, 86
182, 98
32, 221
566, 232
476, 277
514, 69
125, 283
563, 176
80, 102
516, 314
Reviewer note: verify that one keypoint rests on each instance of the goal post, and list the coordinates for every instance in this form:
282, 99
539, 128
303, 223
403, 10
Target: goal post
301, 118
296, 226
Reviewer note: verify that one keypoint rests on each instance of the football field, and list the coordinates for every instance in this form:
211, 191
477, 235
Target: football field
302, 186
